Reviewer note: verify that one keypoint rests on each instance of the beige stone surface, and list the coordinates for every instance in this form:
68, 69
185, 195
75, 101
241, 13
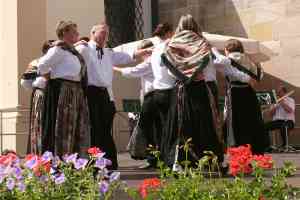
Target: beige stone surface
262, 31
290, 46
31, 35
215, 8
235, 4
84, 13
287, 27
293, 8
8, 53
272, 12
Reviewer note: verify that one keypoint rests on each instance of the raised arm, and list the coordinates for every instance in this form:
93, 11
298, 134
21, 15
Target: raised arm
138, 71
119, 58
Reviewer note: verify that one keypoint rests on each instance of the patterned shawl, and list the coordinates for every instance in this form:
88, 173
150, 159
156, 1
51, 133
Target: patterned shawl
243, 63
186, 51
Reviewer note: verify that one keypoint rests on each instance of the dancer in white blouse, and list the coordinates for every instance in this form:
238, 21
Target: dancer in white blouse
65, 120
32, 81
243, 115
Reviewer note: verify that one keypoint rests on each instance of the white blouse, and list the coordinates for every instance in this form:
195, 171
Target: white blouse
162, 79
61, 64
223, 64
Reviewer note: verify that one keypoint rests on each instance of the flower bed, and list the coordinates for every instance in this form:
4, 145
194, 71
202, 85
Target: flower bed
49, 177
193, 184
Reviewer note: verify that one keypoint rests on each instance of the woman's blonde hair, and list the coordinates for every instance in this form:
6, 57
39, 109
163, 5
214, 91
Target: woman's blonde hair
64, 26
188, 23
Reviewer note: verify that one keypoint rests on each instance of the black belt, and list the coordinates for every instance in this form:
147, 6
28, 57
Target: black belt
64, 80
238, 84
97, 87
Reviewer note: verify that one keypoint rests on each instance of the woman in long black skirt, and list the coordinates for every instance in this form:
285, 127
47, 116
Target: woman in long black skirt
192, 114
31, 80
244, 123
65, 120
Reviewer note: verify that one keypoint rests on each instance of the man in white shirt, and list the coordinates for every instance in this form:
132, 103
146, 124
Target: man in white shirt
283, 114
100, 62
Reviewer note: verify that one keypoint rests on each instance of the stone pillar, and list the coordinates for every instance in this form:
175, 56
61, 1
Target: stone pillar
8, 64
22, 30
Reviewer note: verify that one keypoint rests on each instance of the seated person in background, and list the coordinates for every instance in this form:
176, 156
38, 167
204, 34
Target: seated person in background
283, 115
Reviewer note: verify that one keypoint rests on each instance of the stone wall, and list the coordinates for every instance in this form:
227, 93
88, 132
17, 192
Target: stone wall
264, 20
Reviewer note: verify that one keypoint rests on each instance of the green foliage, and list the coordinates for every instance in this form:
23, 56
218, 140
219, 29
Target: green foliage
206, 183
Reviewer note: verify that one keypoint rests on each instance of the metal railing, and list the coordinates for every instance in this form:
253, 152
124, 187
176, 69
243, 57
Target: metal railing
15, 122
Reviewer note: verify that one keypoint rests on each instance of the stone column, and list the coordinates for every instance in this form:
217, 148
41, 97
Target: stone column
22, 30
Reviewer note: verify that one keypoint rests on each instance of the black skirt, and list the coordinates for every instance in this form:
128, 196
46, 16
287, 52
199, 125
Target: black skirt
196, 122
65, 118
247, 121
154, 115
34, 145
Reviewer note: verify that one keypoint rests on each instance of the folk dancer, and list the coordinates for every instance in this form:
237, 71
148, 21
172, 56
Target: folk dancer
192, 109
244, 124
31, 80
100, 61
65, 120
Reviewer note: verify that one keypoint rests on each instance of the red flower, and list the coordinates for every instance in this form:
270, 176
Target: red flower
240, 159
263, 161
149, 184
8, 159
94, 151
29, 156
40, 165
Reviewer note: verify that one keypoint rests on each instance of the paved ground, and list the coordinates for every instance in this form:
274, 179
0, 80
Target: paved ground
133, 176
